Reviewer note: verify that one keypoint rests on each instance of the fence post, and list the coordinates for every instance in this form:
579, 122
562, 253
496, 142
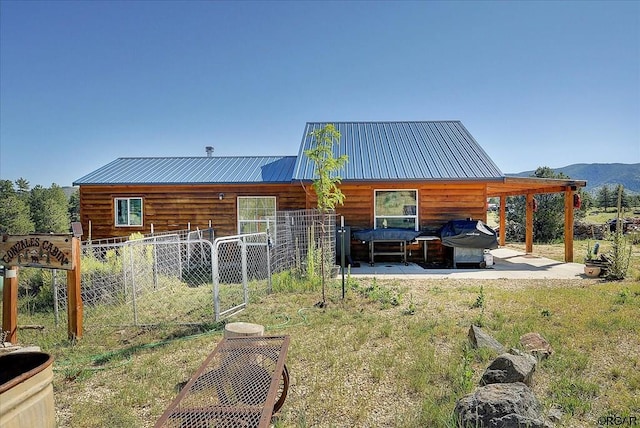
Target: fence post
133, 287
155, 259
268, 249
54, 286
216, 280
245, 285
342, 258
74, 294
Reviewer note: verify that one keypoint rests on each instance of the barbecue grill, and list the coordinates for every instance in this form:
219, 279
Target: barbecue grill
469, 239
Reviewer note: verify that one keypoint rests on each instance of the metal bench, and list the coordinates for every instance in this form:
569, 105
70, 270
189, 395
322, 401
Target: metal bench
242, 383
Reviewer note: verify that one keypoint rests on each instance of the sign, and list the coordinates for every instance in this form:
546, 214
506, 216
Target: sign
41, 251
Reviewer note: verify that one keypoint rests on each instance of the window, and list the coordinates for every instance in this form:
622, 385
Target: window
128, 211
396, 208
256, 214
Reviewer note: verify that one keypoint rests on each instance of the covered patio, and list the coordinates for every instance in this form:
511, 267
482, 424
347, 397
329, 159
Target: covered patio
508, 264
529, 187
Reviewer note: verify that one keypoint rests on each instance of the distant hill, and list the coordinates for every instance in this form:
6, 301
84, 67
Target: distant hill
69, 190
600, 174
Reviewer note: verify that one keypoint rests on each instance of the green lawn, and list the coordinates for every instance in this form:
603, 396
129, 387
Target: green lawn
392, 354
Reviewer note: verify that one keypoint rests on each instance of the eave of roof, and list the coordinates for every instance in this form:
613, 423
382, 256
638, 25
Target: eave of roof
193, 170
514, 186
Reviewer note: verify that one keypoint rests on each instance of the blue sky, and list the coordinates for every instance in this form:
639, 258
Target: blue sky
536, 83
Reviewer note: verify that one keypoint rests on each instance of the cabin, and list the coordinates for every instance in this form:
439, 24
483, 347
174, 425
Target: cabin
410, 175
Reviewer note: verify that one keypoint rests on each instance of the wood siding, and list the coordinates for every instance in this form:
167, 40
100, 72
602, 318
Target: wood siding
174, 207
438, 203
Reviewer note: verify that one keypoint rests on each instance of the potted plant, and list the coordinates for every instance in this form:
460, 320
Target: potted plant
591, 269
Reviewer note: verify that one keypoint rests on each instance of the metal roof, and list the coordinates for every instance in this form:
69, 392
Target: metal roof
194, 170
423, 150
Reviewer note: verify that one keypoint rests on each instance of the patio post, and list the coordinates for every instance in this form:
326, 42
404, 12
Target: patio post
529, 224
568, 224
503, 220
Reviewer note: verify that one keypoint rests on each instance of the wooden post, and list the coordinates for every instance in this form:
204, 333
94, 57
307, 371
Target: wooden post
503, 220
10, 304
74, 296
528, 240
568, 225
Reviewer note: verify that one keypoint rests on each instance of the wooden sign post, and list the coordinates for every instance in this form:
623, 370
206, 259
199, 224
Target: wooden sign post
40, 251
10, 304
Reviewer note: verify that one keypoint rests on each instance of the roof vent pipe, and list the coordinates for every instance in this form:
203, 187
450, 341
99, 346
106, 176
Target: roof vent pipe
209, 150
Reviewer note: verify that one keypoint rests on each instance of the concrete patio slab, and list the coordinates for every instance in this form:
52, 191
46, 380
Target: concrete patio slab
509, 264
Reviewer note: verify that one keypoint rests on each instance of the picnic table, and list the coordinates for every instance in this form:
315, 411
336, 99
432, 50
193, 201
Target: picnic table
242, 383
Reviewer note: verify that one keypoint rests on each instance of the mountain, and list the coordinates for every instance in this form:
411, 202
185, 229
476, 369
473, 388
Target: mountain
69, 190
600, 174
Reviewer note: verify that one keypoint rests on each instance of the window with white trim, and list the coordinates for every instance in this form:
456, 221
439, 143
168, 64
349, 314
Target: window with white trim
396, 208
128, 211
256, 214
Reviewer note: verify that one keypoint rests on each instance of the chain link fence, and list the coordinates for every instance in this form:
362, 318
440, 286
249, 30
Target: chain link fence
187, 277
173, 278
298, 244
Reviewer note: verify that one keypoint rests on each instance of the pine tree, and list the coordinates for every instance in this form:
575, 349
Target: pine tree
603, 197
49, 209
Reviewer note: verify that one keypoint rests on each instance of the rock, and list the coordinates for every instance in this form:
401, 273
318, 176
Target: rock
518, 352
27, 349
555, 414
500, 405
480, 339
8, 348
536, 345
509, 368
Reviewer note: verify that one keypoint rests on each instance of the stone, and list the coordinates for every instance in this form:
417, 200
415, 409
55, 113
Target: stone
480, 339
243, 329
509, 368
555, 414
529, 357
536, 345
27, 349
500, 405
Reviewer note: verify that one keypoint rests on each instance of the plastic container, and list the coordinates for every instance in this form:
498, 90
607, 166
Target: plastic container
488, 258
26, 390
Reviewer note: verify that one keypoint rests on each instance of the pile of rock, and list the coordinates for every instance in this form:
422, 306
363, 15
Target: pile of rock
504, 397
590, 231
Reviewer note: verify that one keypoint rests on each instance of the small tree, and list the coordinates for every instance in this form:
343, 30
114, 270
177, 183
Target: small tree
623, 197
621, 249
74, 206
326, 181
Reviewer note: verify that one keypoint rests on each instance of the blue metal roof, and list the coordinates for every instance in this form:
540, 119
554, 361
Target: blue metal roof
424, 150
194, 170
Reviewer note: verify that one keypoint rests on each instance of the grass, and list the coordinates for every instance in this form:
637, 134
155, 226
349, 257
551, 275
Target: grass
390, 354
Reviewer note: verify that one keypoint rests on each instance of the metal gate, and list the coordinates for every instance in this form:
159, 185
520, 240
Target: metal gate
241, 267
179, 278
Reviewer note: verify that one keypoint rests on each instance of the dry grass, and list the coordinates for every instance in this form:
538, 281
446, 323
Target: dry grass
362, 363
